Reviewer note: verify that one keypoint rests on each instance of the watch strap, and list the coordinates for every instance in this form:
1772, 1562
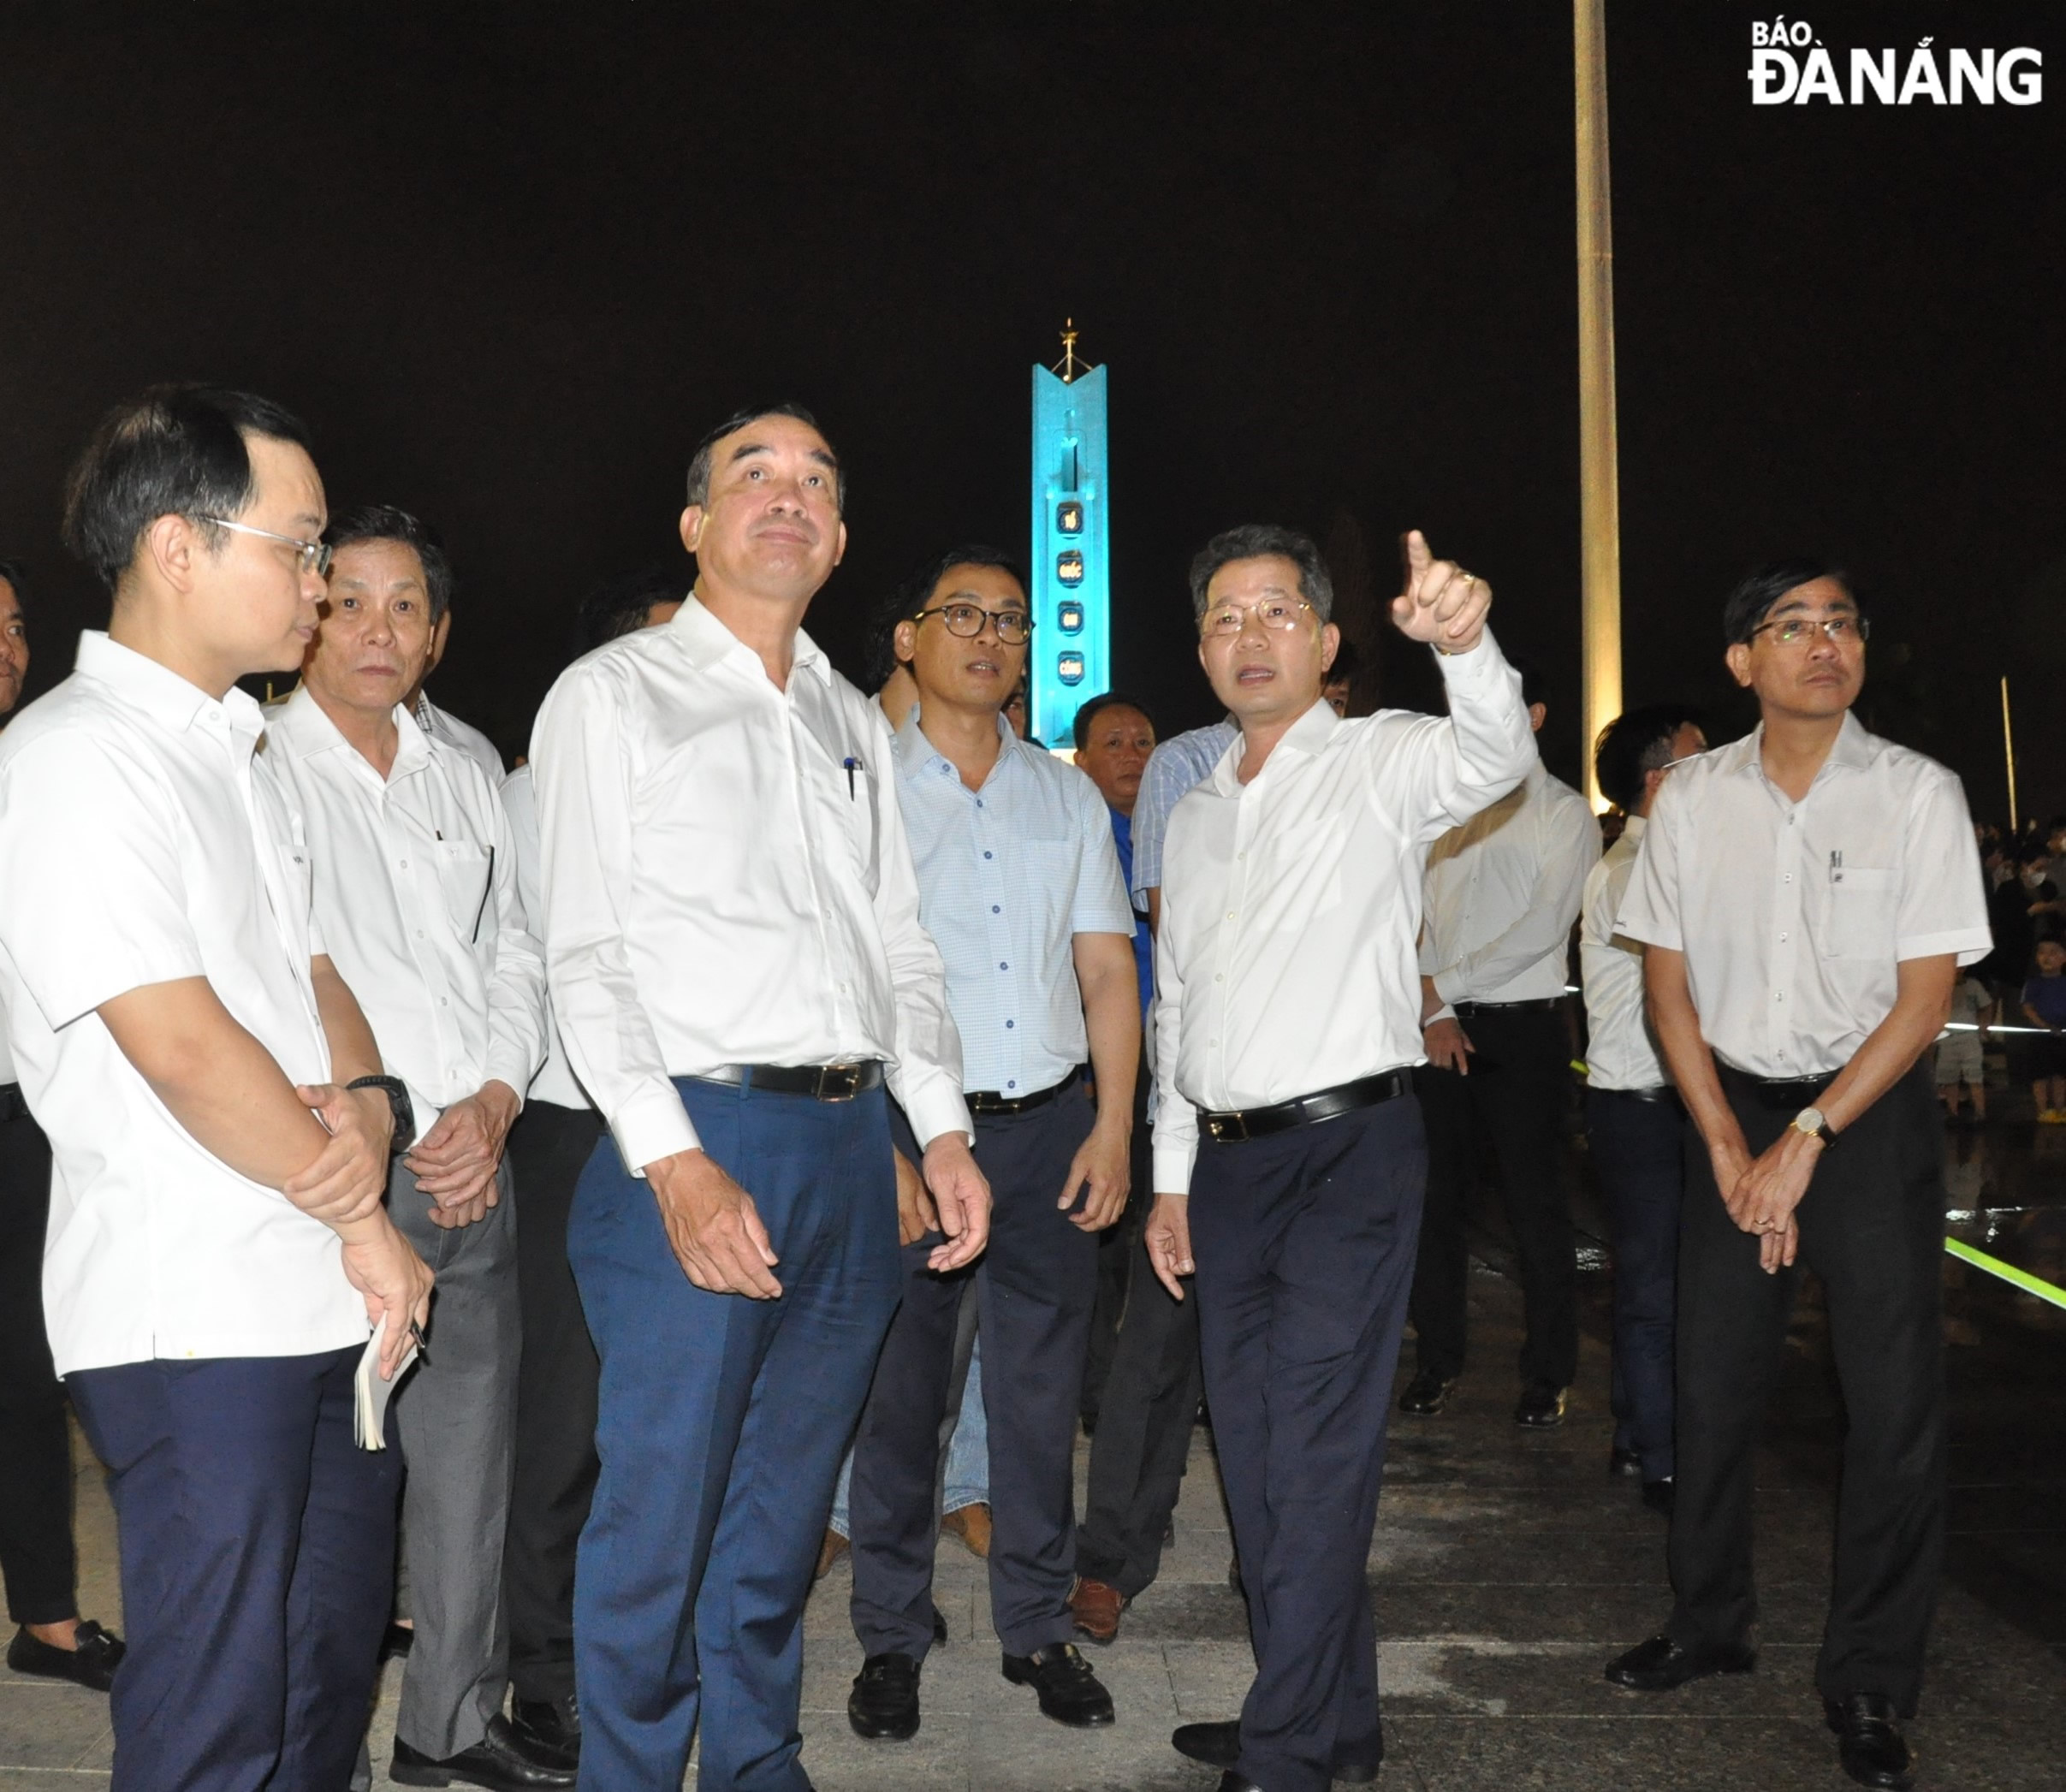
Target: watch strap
403, 1109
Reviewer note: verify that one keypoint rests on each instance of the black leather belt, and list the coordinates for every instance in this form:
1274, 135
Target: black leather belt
986, 1100
1663, 1095
1540, 1004
820, 1082
1236, 1124
1791, 1092
14, 1104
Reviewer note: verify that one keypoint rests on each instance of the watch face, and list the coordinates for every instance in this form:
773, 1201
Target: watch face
1809, 1120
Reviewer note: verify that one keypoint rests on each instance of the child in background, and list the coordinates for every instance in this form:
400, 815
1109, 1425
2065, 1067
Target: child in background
1958, 1054
2044, 1005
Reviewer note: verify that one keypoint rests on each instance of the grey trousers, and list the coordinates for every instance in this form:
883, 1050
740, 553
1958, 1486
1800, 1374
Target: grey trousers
457, 1417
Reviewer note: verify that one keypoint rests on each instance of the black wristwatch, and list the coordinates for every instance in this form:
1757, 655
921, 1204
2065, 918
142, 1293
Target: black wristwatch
398, 1099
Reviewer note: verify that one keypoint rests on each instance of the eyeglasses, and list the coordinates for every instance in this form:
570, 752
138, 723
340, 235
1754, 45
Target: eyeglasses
1790, 632
1014, 627
309, 556
1229, 619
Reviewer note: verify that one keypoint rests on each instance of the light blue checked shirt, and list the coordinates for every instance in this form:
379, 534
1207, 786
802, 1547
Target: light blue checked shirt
1007, 876
1175, 768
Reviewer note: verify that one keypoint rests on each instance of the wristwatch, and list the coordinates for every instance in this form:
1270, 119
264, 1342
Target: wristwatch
398, 1099
1809, 1120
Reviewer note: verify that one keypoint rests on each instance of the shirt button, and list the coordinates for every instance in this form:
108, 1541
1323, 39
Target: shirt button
1010, 1085
1219, 976
1009, 1023
994, 909
1004, 967
1790, 877
989, 854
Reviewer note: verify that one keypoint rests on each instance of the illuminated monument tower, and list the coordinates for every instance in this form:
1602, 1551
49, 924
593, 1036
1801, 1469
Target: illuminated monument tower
1071, 544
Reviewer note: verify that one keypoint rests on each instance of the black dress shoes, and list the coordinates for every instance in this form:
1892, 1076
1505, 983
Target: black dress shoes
91, 1664
495, 1762
1219, 1745
1069, 1691
396, 1641
1542, 1406
1657, 1494
1624, 1464
547, 1731
1426, 1395
883, 1705
1660, 1664
1869, 1741
1230, 1781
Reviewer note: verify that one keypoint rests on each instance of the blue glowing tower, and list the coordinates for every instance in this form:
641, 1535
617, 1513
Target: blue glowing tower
1071, 569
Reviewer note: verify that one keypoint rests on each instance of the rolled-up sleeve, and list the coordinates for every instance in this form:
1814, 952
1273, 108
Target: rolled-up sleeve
1649, 910
583, 774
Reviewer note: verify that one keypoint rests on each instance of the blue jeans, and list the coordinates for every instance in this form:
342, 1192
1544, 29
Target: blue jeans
967, 1476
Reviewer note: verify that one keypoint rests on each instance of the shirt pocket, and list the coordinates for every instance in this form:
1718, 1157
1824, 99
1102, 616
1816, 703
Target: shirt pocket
1862, 905
463, 870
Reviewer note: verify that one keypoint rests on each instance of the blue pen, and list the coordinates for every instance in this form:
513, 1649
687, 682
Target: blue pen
852, 766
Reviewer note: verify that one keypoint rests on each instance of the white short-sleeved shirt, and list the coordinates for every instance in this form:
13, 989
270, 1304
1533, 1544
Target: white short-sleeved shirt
1794, 917
141, 842
1008, 875
416, 892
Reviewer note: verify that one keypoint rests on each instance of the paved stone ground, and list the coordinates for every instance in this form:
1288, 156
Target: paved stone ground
1507, 1570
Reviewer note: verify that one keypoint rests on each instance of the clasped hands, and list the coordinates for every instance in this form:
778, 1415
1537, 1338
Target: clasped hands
719, 1239
1762, 1194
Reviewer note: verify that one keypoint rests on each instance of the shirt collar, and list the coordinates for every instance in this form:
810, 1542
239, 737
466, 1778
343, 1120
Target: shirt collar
307, 725
915, 754
708, 642
1632, 828
174, 702
1854, 749
1307, 737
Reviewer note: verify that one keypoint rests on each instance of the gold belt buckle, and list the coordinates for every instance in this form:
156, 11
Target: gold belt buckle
1229, 1129
831, 1078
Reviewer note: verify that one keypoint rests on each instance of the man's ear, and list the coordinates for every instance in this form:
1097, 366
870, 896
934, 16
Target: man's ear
1537, 714
1737, 659
174, 547
904, 642
691, 526
440, 633
839, 547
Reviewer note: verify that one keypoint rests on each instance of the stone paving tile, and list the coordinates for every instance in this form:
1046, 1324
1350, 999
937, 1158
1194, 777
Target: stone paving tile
48, 1723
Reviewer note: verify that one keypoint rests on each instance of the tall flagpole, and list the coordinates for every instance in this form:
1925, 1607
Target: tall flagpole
1599, 482
2009, 756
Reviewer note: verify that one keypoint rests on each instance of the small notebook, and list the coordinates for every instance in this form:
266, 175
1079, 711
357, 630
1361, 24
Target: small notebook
370, 1405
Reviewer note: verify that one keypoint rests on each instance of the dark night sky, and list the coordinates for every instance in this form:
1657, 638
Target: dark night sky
510, 270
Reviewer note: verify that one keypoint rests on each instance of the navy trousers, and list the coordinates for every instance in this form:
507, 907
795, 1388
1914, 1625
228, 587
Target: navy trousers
258, 1556
1872, 1227
1035, 1285
721, 1422
1305, 1242
1639, 1148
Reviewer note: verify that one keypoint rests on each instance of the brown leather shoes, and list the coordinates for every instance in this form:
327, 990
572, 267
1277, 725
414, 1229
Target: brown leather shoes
971, 1523
829, 1552
1096, 1608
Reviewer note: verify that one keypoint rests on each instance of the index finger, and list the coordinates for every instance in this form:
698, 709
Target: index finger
1418, 556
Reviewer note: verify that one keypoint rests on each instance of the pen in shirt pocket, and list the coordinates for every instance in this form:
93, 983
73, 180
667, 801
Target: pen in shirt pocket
1836, 868
851, 764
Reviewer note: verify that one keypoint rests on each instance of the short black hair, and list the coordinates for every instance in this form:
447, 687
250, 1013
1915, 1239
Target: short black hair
1760, 590
391, 523
699, 462
918, 587
1347, 663
1535, 683
619, 606
178, 450
1252, 541
1097, 705
16, 575
1635, 744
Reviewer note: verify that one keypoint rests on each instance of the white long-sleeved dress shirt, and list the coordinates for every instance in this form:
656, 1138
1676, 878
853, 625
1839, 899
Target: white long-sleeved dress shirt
1794, 918
727, 881
443, 725
1290, 903
415, 880
141, 842
1620, 1052
1503, 891
556, 1080
1008, 875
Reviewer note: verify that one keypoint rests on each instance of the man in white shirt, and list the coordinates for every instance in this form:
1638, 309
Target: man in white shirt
1287, 1020
1634, 1119
1019, 884
1806, 895
737, 966
553, 1138
415, 883
1503, 894
214, 1102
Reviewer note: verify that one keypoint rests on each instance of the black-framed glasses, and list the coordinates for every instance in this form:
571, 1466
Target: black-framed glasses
1229, 619
1791, 631
311, 557
1014, 627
